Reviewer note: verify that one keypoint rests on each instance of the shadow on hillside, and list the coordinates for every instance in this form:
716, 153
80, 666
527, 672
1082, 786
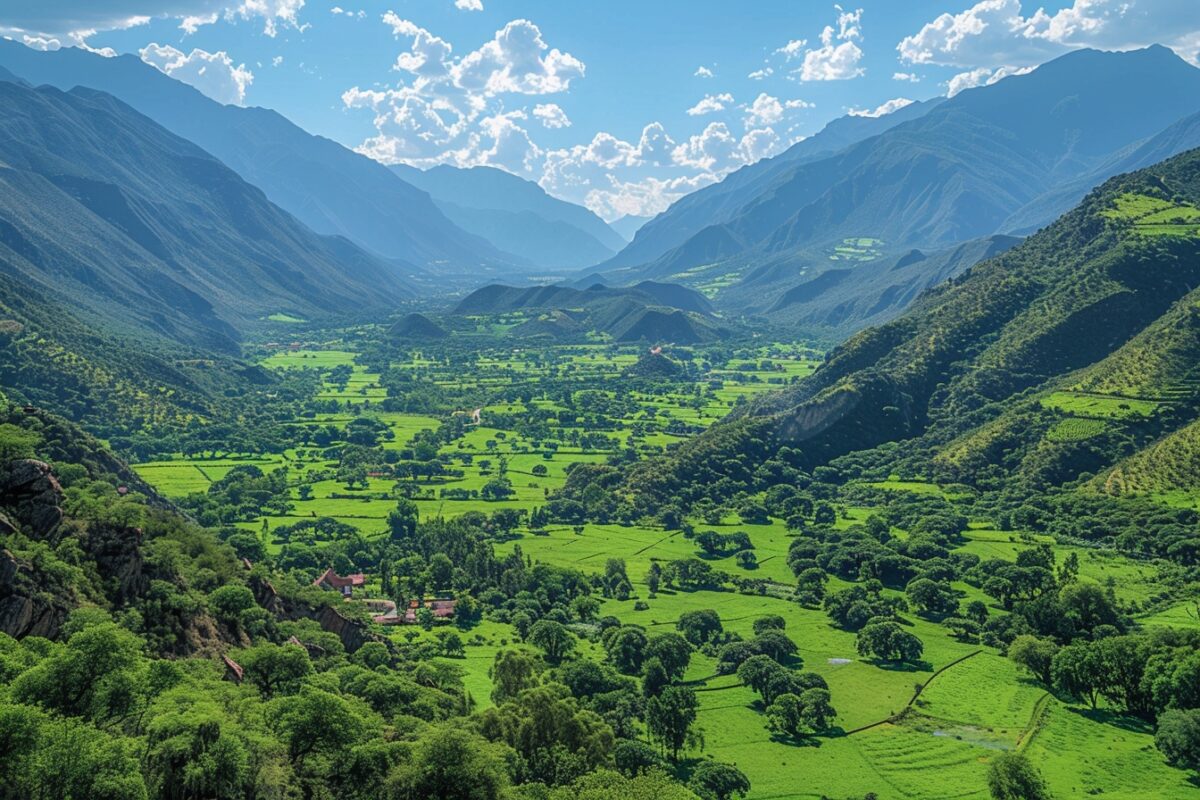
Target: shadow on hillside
1109, 717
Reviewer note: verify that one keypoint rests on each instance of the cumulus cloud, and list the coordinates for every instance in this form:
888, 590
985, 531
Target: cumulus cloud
759, 74
469, 5
41, 42
702, 72
910, 77
994, 32
342, 12
838, 57
517, 60
793, 49
768, 110
883, 109
983, 76
273, 13
711, 103
79, 20
717, 150
551, 115
212, 73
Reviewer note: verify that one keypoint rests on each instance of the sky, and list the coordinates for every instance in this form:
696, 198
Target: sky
622, 105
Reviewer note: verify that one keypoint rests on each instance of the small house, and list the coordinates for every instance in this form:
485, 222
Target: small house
344, 584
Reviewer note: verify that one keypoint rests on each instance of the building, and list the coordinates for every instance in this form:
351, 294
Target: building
331, 580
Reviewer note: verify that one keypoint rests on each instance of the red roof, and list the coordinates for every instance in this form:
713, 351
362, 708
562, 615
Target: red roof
337, 581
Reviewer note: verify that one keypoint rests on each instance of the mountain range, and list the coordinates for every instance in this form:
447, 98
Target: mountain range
111, 213
329, 188
1001, 159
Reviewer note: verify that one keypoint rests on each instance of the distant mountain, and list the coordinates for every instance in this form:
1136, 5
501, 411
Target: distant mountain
650, 312
106, 210
1072, 356
331, 189
417, 326
517, 215
720, 202
628, 225
995, 159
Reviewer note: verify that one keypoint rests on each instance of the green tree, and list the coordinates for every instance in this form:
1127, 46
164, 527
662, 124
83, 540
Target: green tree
275, 669
402, 520
699, 627
553, 639
451, 763
887, 641
512, 672
316, 722
670, 716
1178, 738
672, 651
1012, 776
1035, 655
713, 780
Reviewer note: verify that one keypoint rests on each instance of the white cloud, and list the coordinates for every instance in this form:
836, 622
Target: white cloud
517, 60
428, 55
342, 12
469, 5
717, 150
994, 32
643, 198
274, 13
276, 61
190, 24
551, 115
910, 77
883, 109
759, 74
983, 76
711, 104
793, 49
41, 42
836, 61
702, 72
768, 110
212, 73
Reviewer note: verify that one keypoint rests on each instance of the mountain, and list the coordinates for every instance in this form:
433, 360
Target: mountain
517, 215
1071, 355
124, 221
989, 160
720, 202
329, 188
839, 300
628, 225
651, 312
417, 326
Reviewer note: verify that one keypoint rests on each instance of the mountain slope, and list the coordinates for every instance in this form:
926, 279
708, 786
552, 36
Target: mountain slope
109, 211
975, 165
327, 187
722, 201
1036, 364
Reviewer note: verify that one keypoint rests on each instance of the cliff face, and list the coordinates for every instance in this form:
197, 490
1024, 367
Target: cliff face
25, 611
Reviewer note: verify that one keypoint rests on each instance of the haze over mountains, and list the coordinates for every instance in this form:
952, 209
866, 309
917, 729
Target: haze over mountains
517, 215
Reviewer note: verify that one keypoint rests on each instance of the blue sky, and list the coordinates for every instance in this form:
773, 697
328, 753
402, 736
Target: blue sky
623, 106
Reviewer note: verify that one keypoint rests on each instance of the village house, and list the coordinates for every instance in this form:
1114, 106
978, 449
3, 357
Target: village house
331, 580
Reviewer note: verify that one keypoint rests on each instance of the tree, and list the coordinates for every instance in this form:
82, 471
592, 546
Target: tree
196, 752
713, 780
1012, 776
315, 721
1035, 655
887, 641
1178, 738
402, 520
553, 638
670, 715
817, 710
771, 622
700, 626
786, 715
1076, 670
275, 669
672, 651
498, 488
654, 677
451, 763
512, 673
626, 647
931, 597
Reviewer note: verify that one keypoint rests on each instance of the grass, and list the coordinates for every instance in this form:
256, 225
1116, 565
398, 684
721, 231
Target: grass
1099, 406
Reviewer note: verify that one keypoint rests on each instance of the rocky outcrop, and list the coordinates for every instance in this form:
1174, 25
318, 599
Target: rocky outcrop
354, 634
117, 551
30, 496
25, 611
